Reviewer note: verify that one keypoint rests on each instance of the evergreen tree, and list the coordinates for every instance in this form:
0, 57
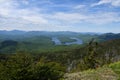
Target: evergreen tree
91, 60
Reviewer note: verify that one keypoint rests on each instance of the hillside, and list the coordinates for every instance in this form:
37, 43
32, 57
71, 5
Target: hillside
103, 73
40, 41
72, 61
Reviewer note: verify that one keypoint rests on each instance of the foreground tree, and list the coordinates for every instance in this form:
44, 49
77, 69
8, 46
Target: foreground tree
91, 59
23, 67
48, 71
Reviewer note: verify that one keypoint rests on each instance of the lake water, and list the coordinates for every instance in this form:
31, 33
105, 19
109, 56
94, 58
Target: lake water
78, 41
58, 42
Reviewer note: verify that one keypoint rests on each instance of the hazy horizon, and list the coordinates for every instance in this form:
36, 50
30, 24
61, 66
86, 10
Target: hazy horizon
99, 16
60, 31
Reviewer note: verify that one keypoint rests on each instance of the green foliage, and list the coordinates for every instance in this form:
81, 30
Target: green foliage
103, 73
3, 71
109, 36
82, 56
48, 71
91, 60
65, 39
17, 66
8, 43
115, 67
37, 41
23, 67
87, 37
86, 56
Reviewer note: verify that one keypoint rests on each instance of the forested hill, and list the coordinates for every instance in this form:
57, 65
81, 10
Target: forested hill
24, 66
30, 63
40, 41
109, 36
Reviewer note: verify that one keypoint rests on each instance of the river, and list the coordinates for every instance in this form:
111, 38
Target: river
58, 42
78, 41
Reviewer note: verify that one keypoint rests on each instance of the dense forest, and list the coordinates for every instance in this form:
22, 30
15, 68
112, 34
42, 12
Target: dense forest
38, 58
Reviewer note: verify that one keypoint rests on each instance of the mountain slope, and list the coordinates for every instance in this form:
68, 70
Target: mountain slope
103, 73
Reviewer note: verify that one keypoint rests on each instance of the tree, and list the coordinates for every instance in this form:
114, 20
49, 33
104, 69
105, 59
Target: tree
91, 60
18, 66
47, 71
23, 67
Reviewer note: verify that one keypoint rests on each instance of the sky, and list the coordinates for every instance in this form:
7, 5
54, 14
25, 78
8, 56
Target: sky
60, 15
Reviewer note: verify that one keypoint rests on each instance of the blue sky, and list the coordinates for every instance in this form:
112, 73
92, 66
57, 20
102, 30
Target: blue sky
60, 15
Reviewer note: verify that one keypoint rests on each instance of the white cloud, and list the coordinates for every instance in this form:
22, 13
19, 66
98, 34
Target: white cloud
79, 6
9, 9
115, 3
69, 17
104, 18
35, 19
98, 18
26, 2
2, 1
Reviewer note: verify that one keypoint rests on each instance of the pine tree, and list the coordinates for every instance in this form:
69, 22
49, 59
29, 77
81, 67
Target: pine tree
91, 57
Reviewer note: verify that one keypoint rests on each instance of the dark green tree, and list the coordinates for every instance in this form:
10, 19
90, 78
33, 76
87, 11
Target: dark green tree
18, 66
91, 59
47, 71
23, 67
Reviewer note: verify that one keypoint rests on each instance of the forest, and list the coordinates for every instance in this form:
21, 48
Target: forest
36, 57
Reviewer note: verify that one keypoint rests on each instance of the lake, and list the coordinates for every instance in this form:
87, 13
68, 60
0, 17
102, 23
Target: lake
78, 41
58, 42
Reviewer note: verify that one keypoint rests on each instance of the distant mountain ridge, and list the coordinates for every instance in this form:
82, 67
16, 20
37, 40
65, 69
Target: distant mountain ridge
109, 36
16, 33
63, 32
39, 40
